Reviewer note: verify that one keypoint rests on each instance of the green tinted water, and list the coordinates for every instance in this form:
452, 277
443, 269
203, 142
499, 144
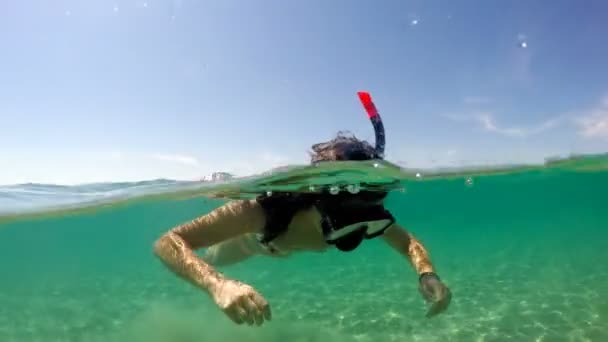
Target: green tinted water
524, 253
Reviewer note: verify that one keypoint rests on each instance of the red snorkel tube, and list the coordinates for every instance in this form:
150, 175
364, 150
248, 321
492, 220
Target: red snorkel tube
374, 117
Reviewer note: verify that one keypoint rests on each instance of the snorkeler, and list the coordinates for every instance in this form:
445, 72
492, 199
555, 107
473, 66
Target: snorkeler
279, 224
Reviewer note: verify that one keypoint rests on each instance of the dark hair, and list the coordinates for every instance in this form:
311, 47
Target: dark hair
345, 146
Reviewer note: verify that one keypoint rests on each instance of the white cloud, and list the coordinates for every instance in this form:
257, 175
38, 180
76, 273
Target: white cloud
451, 152
472, 155
489, 124
590, 124
91, 166
595, 123
69, 166
116, 155
274, 159
176, 158
257, 163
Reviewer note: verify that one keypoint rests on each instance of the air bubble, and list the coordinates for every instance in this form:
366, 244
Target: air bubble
469, 181
353, 188
334, 190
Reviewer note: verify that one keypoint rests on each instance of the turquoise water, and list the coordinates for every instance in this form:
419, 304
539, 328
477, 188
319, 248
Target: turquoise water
524, 251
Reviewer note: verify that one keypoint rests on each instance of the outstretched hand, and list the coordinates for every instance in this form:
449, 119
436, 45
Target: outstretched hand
434, 292
241, 302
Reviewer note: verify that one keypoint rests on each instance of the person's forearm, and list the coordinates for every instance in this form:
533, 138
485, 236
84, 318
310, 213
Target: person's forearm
181, 259
408, 246
418, 256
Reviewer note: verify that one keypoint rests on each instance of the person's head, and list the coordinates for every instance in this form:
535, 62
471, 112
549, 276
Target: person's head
344, 147
356, 215
360, 213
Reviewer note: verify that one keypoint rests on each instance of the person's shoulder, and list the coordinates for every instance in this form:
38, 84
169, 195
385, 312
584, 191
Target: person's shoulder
244, 209
240, 205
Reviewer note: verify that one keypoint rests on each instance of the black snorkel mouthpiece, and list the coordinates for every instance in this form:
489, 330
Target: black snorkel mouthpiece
374, 117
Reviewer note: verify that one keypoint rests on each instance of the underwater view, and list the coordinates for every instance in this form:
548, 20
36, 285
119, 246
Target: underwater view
344, 170
523, 251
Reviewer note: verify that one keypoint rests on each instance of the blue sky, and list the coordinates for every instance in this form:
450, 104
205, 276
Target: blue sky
128, 90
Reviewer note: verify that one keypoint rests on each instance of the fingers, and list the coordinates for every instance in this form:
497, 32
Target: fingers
433, 310
242, 304
248, 316
262, 305
239, 315
436, 308
427, 293
253, 313
251, 310
444, 298
236, 314
257, 316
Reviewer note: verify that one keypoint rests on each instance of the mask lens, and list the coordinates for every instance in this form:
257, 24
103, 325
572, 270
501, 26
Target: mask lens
376, 228
337, 234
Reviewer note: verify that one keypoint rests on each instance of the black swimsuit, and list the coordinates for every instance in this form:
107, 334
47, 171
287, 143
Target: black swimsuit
281, 207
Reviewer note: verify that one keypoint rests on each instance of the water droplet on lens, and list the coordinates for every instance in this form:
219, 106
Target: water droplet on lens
522, 40
413, 19
353, 188
334, 189
469, 181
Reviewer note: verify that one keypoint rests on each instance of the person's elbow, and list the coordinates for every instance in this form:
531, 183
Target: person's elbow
163, 244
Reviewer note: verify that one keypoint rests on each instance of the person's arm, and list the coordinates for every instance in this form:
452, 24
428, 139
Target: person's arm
176, 248
430, 286
407, 245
